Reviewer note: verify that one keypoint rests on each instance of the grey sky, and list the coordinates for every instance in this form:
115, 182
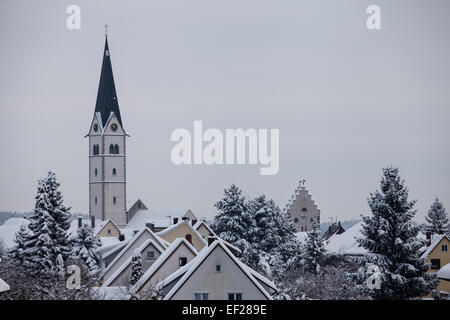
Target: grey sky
348, 101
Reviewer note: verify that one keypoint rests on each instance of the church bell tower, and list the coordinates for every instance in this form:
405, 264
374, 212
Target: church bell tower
107, 152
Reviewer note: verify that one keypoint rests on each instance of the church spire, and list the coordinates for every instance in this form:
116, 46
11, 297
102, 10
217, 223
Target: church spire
106, 96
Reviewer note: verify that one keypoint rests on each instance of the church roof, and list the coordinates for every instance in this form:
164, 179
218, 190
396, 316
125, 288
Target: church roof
106, 97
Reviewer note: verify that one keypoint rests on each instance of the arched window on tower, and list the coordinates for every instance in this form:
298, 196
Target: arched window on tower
95, 200
116, 149
114, 200
111, 149
96, 149
95, 171
114, 172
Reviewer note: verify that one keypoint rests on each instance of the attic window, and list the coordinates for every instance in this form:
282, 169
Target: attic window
444, 248
218, 268
150, 255
182, 261
109, 231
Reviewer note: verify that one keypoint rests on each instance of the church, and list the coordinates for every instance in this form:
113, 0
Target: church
107, 151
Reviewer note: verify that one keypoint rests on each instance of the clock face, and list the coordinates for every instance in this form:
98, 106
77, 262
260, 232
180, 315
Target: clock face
114, 127
95, 127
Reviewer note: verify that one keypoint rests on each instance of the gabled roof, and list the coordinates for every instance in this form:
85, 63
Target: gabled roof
161, 260
435, 241
161, 246
200, 223
112, 248
106, 96
128, 262
444, 272
99, 225
346, 243
203, 255
178, 225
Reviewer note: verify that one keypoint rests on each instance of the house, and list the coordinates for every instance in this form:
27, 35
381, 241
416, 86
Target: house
444, 276
216, 274
101, 228
207, 233
183, 229
150, 253
333, 228
437, 254
345, 243
157, 246
137, 205
178, 254
302, 209
160, 219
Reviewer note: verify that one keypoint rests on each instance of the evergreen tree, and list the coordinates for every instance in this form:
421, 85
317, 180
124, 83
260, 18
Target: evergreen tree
47, 244
85, 245
315, 251
233, 223
22, 235
437, 219
136, 268
392, 242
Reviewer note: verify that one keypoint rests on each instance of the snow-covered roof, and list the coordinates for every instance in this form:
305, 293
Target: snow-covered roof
261, 278
195, 263
160, 261
3, 285
160, 218
99, 224
178, 225
161, 246
301, 236
128, 261
434, 242
444, 272
105, 251
111, 293
345, 243
8, 230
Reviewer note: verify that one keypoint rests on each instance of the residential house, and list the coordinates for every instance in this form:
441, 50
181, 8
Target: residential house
160, 219
183, 229
438, 255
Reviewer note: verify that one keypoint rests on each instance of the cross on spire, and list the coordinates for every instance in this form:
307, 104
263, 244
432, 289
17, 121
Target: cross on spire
106, 30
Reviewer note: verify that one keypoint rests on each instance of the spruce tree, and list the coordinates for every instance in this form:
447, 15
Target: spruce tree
136, 269
22, 235
392, 243
437, 219
46, 245
233, 223
315, 251
84, 248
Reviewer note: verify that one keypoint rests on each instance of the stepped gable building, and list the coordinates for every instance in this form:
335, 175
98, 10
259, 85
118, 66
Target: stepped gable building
302, 209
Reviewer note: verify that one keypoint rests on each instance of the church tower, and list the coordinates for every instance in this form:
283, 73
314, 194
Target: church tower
107, 153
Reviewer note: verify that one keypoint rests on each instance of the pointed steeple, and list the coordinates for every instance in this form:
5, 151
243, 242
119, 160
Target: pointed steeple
106, 97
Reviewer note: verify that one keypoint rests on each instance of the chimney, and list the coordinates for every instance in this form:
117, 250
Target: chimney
80, 222
175, 220
211, 240
428, 238
92, 222
193, 222
152, 227
339, 224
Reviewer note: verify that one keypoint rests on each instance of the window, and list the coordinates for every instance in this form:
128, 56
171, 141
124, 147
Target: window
235, 296
111, 149
189, 238
150, 255
218, 268
201, 296
116, 149
95, 200
304, 210
95, 171
444, 248
114, 172
302, 228
109, 231
114, 200
311, 220
182, 261
296, 220
435, 264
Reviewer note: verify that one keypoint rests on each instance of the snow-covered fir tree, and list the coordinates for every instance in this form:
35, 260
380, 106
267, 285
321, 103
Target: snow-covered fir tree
136, 268
437, 219
233, 223
315, 251
20, 242
47, 243
392, 243
84, 248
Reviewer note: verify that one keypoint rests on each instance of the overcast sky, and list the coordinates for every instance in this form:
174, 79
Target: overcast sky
348, 101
